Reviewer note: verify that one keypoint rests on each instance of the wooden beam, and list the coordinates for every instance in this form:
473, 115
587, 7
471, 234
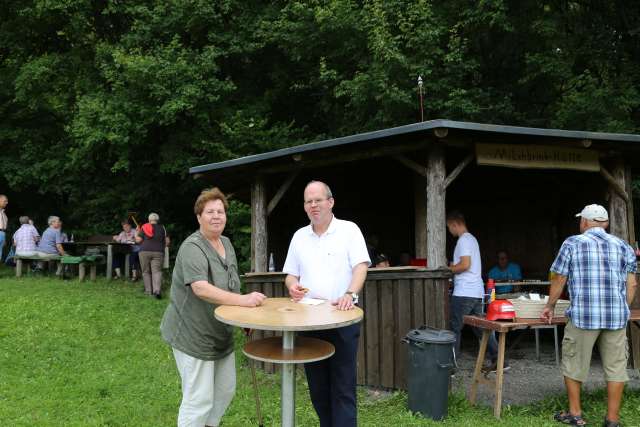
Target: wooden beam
413, 165
454, 173
436, 225
259, 257
618, 199
630, 211
619, 189
420, 215
281, 191
334, 158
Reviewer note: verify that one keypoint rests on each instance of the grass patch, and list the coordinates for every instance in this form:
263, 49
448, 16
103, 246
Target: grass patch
90, 354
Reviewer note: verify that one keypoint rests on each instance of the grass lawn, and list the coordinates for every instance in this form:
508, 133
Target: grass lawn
90, 354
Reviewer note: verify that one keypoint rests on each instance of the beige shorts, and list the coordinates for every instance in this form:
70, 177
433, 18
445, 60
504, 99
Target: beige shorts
577, 345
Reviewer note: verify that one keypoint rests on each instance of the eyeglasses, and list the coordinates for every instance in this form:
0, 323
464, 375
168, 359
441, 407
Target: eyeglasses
315, 201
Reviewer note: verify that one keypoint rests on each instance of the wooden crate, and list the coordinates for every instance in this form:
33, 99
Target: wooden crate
531, 309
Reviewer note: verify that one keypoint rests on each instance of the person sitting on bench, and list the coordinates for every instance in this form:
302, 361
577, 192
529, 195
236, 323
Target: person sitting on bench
25, 239
50, 245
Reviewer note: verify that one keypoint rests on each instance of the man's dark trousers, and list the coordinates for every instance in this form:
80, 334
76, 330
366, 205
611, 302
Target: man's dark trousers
332, 382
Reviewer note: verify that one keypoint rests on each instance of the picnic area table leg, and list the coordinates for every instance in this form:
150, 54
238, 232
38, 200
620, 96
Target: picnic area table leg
477, 373
81, 272
555, 343
92, 271
18, 267
109, 261
497, 407
127, 266
288, 394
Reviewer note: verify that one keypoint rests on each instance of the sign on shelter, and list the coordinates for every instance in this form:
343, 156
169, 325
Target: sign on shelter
537, 157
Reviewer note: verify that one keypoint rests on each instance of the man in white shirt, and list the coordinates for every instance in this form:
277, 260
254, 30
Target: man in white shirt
329, 258
468, 287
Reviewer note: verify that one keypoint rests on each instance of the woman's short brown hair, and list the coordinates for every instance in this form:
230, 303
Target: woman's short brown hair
208, 195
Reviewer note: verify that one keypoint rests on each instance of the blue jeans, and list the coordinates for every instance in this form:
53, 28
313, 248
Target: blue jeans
3, 235
462, 306
332, 382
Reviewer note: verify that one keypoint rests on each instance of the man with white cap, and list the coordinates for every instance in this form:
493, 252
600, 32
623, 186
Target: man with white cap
599, 270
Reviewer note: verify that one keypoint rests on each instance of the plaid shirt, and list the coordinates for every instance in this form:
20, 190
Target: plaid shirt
25, 238
596, 264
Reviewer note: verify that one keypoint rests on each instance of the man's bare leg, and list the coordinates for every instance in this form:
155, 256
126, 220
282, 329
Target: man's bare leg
573, 392
614, 400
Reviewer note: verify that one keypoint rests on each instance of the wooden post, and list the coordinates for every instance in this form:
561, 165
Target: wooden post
81, 272
630, 215
618, 218
259, 256
109, 261
436, 226
420, 215
127, 266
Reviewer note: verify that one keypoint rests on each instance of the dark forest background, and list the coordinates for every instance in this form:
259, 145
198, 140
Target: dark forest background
104, 105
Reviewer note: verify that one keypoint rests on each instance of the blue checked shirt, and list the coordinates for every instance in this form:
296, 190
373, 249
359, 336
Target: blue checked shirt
596, 264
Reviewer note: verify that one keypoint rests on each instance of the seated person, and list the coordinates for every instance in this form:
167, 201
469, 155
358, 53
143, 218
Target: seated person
505, 271
381, 261
50, 245
405, 258
127, 235
25, 239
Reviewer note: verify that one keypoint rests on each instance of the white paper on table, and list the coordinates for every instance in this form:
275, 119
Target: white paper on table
534, 297
311, 301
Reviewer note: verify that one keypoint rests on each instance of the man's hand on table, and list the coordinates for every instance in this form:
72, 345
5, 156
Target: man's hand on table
297, 292
547, 314
345, 302
254, 299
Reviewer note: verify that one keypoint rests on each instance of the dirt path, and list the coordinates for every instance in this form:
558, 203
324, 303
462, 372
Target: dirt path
529, 380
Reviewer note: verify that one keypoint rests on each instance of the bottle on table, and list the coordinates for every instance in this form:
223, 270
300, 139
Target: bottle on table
491, 290
272, 265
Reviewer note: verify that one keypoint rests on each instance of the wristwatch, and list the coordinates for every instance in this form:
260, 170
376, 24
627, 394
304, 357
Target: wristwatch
354, 296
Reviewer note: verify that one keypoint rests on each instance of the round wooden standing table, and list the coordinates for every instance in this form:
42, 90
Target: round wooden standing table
282, 314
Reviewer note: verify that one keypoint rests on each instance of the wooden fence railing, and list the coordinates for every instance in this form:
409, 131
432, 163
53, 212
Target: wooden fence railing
394, 301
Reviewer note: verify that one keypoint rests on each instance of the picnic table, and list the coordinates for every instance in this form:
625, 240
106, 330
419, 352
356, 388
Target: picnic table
282, 314
502, 327
105, 246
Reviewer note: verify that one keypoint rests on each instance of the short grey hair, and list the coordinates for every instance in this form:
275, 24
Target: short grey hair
52, 219
326, 188
154, 217
24, 219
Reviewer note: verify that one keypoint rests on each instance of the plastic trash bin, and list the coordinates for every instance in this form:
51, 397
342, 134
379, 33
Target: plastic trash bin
431, 361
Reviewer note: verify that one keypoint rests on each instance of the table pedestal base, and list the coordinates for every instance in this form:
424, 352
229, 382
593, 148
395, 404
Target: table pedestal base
288, 393
282, 350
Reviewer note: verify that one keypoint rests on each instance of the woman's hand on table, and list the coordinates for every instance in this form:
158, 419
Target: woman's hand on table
254, 299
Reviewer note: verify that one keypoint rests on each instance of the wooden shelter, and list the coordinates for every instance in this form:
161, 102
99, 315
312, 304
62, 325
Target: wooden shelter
518, 187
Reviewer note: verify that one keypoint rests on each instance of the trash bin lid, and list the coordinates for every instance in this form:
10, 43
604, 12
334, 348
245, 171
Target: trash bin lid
431, 335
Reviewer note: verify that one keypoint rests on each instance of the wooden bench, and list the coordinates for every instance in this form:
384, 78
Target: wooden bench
82, 262
19, 258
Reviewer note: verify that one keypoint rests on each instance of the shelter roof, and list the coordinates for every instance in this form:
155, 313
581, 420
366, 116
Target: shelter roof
406, 138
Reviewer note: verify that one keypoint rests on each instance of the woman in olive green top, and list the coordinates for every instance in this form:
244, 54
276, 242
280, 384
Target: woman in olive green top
205, 276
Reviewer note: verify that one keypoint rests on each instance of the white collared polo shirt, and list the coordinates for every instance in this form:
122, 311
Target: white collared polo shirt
324, 264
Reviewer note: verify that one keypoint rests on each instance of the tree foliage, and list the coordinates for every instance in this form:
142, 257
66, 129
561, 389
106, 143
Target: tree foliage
105, 104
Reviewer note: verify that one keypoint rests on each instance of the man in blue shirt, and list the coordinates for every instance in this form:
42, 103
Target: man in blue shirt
505, 271
599, 271
50, 245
